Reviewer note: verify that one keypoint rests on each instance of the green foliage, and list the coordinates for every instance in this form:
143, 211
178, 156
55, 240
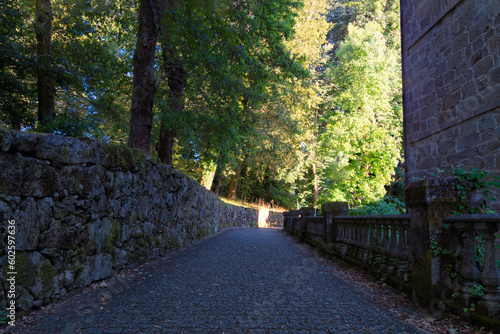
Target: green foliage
91, 57
233, 54
362, 135
387, 206
470, 182
17, 68
3, 317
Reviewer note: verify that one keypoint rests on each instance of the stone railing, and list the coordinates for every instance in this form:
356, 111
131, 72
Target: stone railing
381, 242
474, 259
445, 262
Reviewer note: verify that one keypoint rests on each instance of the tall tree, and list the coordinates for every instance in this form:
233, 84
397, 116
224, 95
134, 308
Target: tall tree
361, 141
144, 83
46, 89
17, 68
230, 52
175, 74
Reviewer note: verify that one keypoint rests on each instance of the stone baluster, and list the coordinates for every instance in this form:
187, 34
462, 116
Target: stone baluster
342, 237
372, 225
386, 241
469, 270
377, 241
357, 233
403, 250
358, 240
491, 274
344, 232
393, 244
393, 235
348, 235
351, 234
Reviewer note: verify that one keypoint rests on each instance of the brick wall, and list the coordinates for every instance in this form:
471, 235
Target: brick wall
451, 85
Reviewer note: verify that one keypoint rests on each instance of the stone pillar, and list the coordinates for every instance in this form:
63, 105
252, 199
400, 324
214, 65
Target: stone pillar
294, 220
429, 202
331, 210
304, 213
286, 220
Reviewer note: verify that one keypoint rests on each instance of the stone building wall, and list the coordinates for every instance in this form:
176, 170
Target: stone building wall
451, 85
84, 209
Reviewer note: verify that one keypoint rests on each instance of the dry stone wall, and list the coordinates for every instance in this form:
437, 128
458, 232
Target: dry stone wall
451, 85
84, 209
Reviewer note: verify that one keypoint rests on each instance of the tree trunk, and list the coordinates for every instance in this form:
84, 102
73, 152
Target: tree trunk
217, 179
176, 80
45, 82
144, 83
176, 76
316, 186
234, 182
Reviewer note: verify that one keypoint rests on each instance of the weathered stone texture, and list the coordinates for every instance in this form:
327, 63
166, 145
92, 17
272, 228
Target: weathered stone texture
84, 209
451, 85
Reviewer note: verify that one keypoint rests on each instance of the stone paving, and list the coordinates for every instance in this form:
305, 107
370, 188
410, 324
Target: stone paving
239, 281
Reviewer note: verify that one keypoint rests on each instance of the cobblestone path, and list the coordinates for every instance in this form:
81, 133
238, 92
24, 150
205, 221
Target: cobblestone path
240, 281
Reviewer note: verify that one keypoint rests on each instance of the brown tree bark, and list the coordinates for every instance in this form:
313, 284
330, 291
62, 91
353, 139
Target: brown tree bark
45, 81
316, 186
217, 179
144, 82
234, 182
176, 77
176, 80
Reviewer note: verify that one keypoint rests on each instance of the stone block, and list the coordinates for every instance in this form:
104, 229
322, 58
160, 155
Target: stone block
447, 145
495, 75
5, 139
468, 127
14, 181
27, 225
490, 94
96, 268
65, 150
480, 27
467, 141
487, 122
455, 60
460, 42
84, 182
483, 66
451, 100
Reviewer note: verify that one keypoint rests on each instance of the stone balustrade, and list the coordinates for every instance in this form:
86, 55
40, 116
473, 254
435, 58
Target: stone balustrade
476, 258
444, 261
378, 241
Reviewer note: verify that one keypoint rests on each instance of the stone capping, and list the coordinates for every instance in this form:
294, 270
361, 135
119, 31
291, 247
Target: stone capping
474, 218
307, 212
334, 207
432, 190
433, 23
375, 217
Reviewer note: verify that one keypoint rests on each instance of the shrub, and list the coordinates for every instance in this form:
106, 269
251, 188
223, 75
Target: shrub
389, 205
